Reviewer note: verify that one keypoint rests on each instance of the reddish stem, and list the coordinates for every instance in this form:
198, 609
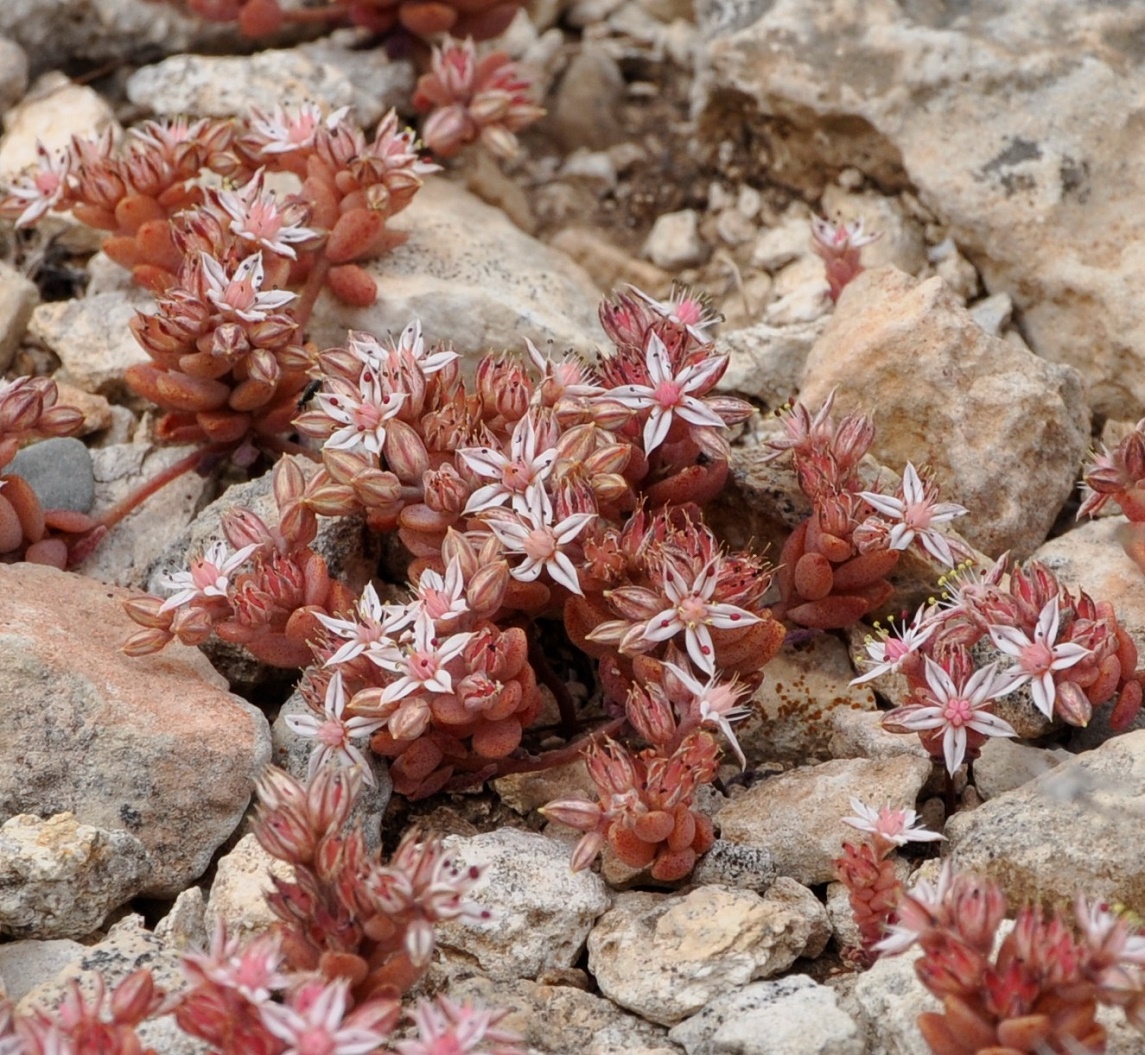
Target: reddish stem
314, 283
137, 497
317, 14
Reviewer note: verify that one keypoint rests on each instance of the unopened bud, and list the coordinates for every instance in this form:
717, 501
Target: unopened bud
405, 452
1073, 705
485, 589
146, 642
135, 997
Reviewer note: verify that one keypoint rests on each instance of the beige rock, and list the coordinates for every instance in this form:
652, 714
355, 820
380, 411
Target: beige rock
155, 745
28, 963
60, 878
608, 265
226, 85
584, 107
860, 734
542, 910
1004, 765
13, 73
797, 815
1016, 125
18, 299
561, 1020
765, 361
666, 956
238, 894
945, 394
184, 927
792, 712
472, 278
93, 339
674, 241
132, 545
96, 410
1073, 828
54, 110
525, 792
787, 1016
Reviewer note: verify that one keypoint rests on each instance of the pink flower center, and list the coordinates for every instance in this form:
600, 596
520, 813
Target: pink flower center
894, 649
540, 544
332, 733
667, 394
692, 610
423, 665
1036, 658
263, 221
958, 712
315, 1041
516, 476
917, 515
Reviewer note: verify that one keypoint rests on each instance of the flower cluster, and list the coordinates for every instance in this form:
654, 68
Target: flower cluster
467, 99
1070, 653
834, 565
839, 246
868, 870
29, 410
354, 934
1037, 990
268, 594
225, 344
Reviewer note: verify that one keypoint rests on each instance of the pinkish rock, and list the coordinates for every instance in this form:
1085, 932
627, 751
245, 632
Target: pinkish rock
156, 745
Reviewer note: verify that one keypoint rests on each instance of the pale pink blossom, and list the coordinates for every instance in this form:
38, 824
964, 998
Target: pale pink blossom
517, 476
716, 702
918, 911
442, 597
887, 652
316, 1027
446, 1028
668, 394
957, 709
692, 612
1039, 658
421, 662
376, 622
40, 188
362, 413
242, 294
209, 576
916, 513
286, 130
334, 733
893, 825
250, 967
256, 216
540, 542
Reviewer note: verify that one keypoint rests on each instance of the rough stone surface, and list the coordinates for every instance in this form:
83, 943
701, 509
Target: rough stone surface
796, 814
1073, 828
787, 1016
127, 947
52, 31
60, 879
584, 107
792, 711
377, 83
860, 734
891, 998
18, 295
25, 964
765, 361
525, 792
126, 554
225, 85
1014, 119
1091, 558
945, 394
560, 1019
1004, 765
732, 865
472, 278
666, 956
60, 471
238, 893
184, 927
151, 745
13, 73
542, 911
93, 339
54, 110
674, 241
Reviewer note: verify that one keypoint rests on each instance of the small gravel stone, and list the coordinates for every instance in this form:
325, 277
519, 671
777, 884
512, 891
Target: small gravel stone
60, 471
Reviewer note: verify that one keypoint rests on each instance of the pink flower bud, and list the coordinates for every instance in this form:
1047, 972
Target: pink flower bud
405, 452
576, 813
485, 589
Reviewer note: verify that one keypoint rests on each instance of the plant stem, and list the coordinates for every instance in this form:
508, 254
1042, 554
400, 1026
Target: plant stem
137, 497
549, 677
314, 282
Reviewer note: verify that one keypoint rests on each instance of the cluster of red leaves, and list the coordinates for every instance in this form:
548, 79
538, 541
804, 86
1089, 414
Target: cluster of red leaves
28, 411
468, 100
834, 565
480, 19
1038, 990
271, 606
354, 934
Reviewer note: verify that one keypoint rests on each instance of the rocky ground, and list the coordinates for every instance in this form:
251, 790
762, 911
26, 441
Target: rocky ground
995, 336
